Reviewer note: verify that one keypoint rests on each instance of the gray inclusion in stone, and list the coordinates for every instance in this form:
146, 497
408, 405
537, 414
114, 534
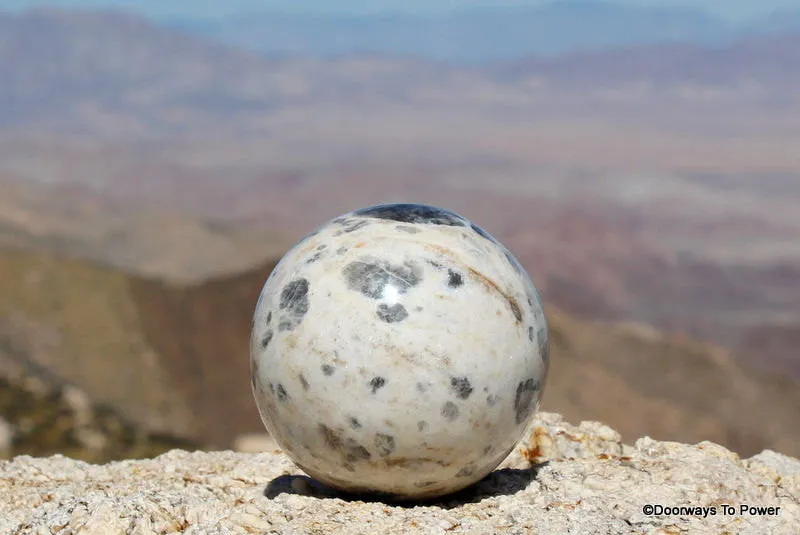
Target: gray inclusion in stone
293, 304
384, 443
450, 411
413, 213
376, 383
482, 233
524, 398
370, 276
544, 345
349, 225
392, 314
461, 387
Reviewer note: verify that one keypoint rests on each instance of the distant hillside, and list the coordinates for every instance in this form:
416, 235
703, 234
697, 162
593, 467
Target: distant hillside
76, 221
670, 387
171, 358
109, 74
101, 70
174, 359
466, 35
756, 64
44, 418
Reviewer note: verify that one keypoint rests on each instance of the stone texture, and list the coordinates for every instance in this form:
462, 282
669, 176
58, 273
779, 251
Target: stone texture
398, 349
582, 480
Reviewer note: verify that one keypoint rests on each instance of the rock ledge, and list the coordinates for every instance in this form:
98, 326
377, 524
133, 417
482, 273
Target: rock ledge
563, 478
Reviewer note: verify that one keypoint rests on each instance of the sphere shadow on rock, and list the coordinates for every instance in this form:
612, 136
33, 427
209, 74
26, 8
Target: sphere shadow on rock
502, 482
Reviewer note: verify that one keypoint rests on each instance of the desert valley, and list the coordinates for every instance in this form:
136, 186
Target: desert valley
152, 177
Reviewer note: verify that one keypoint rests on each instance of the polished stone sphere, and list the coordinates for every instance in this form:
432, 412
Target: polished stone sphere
398, 349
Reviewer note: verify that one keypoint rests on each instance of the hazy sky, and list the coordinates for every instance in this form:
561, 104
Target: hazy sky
729, 9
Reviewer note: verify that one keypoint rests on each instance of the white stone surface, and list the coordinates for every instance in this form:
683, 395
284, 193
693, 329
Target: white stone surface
399, 348
598, 491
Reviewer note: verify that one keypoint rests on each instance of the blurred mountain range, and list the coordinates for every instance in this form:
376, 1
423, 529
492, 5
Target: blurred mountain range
150, 178
679, 158
112, 74
484, 34
171, 360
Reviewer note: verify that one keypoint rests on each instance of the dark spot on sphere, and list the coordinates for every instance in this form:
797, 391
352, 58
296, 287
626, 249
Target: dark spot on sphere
354, 423
530, 334
269, 317
466, 471
454, 279
355, 451
392, 314
376, 382
482, 233
412, 213
332, 439
513, 261
421, 425
356, 226
303, 381
515, 309
317, 256
294, 296
266, 339
450, 411
544, 345
294, 303
385, 444
461, 386
327, 369
351, 225
487, 449
282, 395
524, 398
545, 353
370, 276
409, 230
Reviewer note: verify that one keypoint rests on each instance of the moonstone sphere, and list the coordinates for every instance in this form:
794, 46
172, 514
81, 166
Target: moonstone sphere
398, 349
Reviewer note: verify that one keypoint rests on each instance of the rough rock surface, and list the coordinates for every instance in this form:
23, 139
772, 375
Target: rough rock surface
562, 479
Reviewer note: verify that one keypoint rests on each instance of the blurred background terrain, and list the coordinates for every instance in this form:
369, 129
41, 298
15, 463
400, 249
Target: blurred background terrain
641, 159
